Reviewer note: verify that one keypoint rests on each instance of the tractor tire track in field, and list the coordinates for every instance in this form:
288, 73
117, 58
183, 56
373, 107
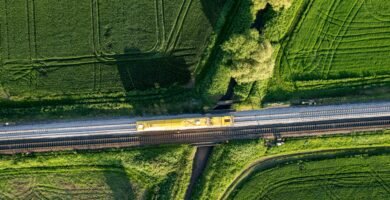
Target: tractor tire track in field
34, 28
319, 41
376, 15
3, 33
297, 29
337, 21
286, 53
6, 26
308, 9
37, 190
28, 23
282, 54
32, 40
160, 26
327, 178
98, 56
337, 40
342, 31
380, 180
178, 25
104, 56
95, 24
325, 26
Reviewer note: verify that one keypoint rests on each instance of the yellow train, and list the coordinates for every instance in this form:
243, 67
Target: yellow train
185, 123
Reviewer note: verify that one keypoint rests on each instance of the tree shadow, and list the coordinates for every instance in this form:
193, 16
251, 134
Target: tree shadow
119, 183
212, 9
142, 71
263, 16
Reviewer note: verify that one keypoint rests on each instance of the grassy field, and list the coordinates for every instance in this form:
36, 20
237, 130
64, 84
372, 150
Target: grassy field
358, 177
333, 48
229, 160
338, 39
75, 49
156, 173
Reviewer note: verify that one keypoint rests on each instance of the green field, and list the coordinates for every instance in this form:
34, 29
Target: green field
95, 46
339, 39
333, 48
358, 177
72, 58
156, 173
229, 161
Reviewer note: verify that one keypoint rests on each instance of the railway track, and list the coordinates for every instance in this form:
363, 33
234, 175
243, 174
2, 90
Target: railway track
193, 136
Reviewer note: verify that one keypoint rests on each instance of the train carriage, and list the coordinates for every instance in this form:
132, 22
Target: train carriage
185, 123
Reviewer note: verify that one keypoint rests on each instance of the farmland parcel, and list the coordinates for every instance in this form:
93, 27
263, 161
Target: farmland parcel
359, 177
229, 162
339, 39
75, 48
154, 173
334, 47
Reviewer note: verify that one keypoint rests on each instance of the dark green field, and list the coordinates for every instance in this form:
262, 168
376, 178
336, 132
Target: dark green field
358, 177
76, 47
72, 58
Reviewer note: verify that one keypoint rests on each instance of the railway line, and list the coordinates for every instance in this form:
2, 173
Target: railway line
192, 136
122, 132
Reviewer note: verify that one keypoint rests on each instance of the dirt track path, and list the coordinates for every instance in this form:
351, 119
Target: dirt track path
200, 161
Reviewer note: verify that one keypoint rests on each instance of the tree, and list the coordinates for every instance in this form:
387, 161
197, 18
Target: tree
278, 4
249, 59
261, 4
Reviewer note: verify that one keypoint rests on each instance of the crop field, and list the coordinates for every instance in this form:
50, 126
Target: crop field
358, 177
338, 39
129, 174
332, 49
228, 161
92, 46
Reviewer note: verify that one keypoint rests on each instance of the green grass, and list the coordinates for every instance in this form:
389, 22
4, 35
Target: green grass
228, 161
331, 49
358, 177
85, 48
154, 173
